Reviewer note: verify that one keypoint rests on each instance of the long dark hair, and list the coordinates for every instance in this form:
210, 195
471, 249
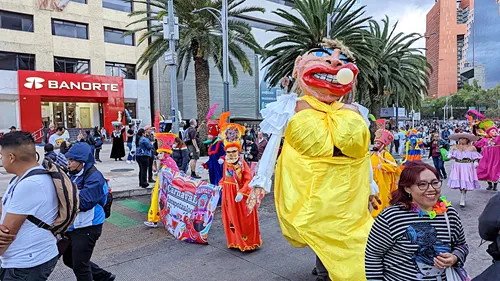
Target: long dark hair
409, 177
140, 133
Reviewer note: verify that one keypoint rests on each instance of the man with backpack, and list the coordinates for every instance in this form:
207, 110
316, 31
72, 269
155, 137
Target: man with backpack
27, 252
93, 194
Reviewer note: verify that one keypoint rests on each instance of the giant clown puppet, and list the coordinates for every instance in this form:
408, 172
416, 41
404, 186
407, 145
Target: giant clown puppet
323, 175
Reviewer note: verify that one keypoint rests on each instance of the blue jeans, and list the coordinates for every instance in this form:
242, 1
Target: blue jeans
439, 165
37, 273
130, 157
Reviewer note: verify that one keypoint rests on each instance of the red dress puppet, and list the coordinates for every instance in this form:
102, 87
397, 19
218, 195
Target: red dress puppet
241, 228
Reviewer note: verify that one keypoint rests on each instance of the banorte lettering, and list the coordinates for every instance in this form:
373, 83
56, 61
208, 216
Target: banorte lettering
84, 86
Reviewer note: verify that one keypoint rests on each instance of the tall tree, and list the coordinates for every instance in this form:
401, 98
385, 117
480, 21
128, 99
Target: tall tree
306, 28
200, 40
400, 68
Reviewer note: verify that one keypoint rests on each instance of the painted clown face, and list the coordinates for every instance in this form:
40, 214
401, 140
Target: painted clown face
317, 70
493, 133
232, 155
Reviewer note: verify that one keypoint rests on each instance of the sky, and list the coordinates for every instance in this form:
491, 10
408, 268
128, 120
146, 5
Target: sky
411, 14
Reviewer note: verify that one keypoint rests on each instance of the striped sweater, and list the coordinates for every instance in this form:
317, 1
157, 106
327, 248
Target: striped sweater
402, 245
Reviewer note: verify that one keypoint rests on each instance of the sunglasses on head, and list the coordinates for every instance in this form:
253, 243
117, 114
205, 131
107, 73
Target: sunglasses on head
324, 52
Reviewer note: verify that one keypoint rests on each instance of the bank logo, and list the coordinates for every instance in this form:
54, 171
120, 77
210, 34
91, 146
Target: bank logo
34, 82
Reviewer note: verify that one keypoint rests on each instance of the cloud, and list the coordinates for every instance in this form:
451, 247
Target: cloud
410, 14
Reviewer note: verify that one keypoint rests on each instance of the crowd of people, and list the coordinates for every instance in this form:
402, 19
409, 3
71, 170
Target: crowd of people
365, 215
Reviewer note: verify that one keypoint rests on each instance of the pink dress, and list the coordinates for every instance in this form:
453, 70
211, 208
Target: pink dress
489, 166
463, 173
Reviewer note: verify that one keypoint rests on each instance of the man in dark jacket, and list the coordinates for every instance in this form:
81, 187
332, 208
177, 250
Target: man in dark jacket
84, 233
489, 230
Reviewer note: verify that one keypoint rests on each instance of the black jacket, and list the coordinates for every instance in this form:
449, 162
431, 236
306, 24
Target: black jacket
489, 226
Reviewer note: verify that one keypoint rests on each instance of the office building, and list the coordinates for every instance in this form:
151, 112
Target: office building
447, 42
71, 66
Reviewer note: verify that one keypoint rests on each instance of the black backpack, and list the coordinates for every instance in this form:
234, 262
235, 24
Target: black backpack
109, 199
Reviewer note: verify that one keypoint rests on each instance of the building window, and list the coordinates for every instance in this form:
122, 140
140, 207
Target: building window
126, 71
132, 109
69, 29
118, 5
15, 61
80, 1
117, 36
68, 65
16, 21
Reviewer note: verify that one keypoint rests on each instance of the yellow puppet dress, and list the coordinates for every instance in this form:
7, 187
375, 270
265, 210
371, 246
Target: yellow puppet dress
386, 173
322, 199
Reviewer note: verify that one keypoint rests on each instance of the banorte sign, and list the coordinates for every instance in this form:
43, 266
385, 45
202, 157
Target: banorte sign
38, 86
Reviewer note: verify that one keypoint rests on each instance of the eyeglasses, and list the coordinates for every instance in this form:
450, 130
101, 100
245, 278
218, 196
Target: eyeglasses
324, 52
424, 186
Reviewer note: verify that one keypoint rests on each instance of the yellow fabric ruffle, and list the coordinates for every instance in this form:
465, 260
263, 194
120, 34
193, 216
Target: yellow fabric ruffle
321, 200
386, 173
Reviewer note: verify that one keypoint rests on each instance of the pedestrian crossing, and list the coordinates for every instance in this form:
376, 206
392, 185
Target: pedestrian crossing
119, 217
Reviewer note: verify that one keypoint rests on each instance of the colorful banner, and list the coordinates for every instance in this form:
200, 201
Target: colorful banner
187, 206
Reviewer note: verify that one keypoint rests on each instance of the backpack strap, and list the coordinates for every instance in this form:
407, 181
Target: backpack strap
87, 174
31, 218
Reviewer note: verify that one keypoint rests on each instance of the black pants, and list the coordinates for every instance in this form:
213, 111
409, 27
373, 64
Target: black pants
150, 168
77, 255
143, 162
321, 269
396, 146
439, 165
38, 273
97, 152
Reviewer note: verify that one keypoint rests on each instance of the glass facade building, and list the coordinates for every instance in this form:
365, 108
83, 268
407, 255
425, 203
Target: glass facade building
484, 44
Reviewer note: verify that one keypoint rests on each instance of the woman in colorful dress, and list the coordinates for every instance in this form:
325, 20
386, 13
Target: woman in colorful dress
420, 235
241, 227
463, 174
165, 142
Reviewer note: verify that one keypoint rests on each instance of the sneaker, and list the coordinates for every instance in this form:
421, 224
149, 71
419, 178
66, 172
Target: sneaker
151, 224
128, 162
495, 186
133, 162
112, 277
193, 175
314, 272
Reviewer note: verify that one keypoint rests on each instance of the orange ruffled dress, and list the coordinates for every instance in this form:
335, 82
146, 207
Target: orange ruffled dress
242, 231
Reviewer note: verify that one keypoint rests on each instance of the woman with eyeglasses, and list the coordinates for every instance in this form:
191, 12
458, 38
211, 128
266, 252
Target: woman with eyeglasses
419, 235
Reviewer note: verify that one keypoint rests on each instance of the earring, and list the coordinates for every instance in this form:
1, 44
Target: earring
409, 195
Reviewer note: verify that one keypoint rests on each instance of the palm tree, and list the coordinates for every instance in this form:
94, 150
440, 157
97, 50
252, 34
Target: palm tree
200, 40
400, 68
307, 30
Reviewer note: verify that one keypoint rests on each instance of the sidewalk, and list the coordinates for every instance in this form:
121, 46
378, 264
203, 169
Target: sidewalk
123, 177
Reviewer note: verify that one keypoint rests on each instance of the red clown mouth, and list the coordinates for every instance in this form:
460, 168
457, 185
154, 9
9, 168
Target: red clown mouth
322, 76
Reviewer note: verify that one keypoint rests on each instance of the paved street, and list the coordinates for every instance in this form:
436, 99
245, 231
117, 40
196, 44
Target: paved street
134, 252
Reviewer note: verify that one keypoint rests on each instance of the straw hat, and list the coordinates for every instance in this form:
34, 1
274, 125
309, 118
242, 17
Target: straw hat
458, 136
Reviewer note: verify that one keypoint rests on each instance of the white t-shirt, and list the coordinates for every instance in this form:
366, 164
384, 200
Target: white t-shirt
33, 245
56, 140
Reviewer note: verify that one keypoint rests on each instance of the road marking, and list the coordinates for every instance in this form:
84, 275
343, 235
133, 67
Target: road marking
135, 205
121, 220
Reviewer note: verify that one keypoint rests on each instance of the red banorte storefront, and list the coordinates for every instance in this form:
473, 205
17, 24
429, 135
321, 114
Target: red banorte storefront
36, 87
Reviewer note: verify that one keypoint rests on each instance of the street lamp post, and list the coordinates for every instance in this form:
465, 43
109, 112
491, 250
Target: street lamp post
171, 33
223, 21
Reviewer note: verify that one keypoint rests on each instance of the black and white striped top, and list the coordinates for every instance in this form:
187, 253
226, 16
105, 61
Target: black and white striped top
402, 246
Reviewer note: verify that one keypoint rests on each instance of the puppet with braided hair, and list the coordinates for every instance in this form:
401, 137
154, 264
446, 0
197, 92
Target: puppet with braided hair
323, 175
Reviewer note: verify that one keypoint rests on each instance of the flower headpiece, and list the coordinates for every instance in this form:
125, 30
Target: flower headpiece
411, 132
165, 142
231, 132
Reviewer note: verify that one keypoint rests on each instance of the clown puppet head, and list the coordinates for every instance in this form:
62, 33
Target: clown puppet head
326, 73
231, 134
